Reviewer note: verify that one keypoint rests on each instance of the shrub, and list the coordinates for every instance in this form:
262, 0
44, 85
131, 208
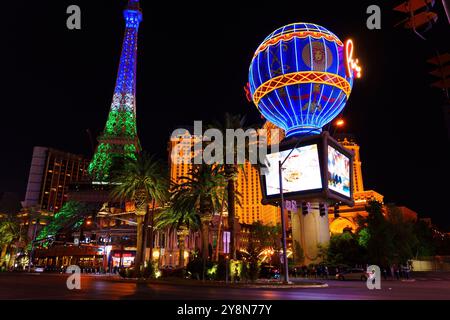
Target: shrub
221, 269
253, 270
127, 273
195, 268
176, 273
149, 271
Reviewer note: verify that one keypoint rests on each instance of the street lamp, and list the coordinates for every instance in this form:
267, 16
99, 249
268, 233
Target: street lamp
283, 222
340, 123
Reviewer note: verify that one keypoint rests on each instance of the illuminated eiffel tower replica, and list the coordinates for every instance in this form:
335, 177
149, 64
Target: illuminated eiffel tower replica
119, 139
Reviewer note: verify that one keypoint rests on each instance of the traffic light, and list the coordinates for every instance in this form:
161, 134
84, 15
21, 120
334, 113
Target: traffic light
322, 209
336, 210
305, 208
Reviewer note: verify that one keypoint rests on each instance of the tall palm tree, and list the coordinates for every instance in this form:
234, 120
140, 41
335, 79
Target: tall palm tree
143, 181
179, 220
231, 170
10, 233
200, 192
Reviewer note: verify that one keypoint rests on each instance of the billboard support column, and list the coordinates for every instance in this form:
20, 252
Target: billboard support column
283, 225
310, 230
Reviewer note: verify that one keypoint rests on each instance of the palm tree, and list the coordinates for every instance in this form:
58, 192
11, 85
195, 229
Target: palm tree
143, 181
10, 233
200, 192
181, 221
231, 170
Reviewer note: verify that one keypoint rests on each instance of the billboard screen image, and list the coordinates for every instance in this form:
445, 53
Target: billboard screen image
301, 171
338, 172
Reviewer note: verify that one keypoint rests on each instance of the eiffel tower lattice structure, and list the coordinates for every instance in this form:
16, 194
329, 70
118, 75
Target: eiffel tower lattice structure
119, 140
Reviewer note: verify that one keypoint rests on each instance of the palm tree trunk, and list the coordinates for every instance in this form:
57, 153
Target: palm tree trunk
231, 217
205, 237
219, 229
205, 242
12, 256
144, 236
3, 255
151, 231
181, 237
138, 258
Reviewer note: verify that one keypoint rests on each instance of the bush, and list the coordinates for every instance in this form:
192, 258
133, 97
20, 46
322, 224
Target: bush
148, 272
127, 273
221, 269
253, 270
245, 271
195, 268
176, 273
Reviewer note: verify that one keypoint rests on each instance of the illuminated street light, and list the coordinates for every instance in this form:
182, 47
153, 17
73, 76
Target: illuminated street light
340, 123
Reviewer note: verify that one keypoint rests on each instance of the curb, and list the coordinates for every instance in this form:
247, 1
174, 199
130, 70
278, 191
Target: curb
222, 284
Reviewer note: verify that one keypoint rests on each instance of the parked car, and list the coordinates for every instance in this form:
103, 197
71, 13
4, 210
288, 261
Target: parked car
353, 274
269, 272
38, 269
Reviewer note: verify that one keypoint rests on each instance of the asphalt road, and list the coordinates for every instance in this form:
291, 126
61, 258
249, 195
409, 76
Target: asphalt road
53, 286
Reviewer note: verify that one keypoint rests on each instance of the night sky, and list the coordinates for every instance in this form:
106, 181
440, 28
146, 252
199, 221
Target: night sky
192, 65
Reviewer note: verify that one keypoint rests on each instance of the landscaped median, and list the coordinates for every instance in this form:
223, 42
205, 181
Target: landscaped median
210, 283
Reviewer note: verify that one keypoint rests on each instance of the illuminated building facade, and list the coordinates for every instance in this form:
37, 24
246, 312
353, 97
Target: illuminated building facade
51, 172
348, 215
247, 183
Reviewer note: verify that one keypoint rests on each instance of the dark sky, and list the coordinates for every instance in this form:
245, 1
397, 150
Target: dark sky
192, 64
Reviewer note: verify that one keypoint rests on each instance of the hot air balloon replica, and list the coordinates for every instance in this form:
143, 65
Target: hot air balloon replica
301, 77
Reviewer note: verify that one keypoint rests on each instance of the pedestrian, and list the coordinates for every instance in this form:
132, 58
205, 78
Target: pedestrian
397, 272
326, 272
384, 273
392, 272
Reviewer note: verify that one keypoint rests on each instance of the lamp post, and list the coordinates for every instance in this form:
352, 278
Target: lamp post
283, 222
338, 124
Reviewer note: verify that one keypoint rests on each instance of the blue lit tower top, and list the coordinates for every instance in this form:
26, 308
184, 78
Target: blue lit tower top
125, 90
119, 140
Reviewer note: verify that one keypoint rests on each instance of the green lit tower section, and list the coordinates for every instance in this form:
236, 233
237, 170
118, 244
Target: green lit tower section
119, 140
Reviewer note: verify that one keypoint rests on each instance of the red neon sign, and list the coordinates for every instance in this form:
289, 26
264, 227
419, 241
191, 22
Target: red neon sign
351, 65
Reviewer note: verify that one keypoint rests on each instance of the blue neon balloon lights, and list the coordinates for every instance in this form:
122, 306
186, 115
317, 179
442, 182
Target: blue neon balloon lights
300, 78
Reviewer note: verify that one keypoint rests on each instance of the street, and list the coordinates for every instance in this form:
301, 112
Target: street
53, 286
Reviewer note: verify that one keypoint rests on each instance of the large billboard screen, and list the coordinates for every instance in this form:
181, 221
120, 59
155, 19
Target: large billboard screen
338, 172
301, 171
